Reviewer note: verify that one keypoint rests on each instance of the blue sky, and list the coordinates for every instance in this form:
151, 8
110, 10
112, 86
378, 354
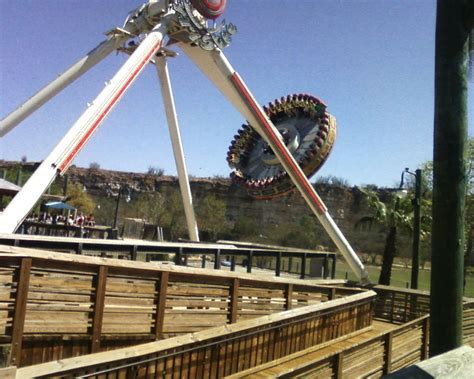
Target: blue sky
372, 62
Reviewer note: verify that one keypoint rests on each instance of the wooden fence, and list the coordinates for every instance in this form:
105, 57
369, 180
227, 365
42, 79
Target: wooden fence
399, 305
354, 356
180, 251
54, 306
222, 351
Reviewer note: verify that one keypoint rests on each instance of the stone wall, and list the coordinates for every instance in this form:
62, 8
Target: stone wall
345, 205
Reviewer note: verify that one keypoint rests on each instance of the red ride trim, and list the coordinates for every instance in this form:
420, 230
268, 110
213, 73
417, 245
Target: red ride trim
237, 81
65, 163
208, 10
213, 7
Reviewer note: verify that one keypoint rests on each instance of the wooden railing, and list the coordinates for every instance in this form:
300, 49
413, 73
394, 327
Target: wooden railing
64, 230
146, 250
222, 351
374, 357
399, 305
54, 306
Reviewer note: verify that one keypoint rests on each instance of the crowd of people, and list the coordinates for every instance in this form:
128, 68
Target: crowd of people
58, 219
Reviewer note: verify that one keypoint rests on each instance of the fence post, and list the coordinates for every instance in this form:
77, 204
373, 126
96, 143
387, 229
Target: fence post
203, 261
303, 265
387, 367
232, 263
278, 264
249, 261
425, 339
338, 361
177, 257
19, 314
98, 313
405, 315
133, 253
325, 267
333, 268
161, 304
233, 300
79, 248
392, 306
217, 259
289, 296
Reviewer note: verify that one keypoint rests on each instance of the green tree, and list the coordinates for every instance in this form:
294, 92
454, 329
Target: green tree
155, 171
395, 214
245, 228
211, 217
149, 206
302, 234
171, 216
80, 199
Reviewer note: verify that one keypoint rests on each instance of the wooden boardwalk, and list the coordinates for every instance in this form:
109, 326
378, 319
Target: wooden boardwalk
303, 361
69, 314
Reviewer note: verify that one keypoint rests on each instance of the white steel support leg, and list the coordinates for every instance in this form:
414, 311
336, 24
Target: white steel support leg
62, 155
216, 67
173, 127
75, 71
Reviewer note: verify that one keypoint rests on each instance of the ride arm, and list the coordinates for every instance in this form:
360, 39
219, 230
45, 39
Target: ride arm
72, 143
217, 68
62, 81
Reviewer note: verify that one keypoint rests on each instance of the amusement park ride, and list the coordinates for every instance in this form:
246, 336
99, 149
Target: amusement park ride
277, 150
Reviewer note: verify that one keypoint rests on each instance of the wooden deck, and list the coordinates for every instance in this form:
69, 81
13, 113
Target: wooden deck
64, 314
292, 365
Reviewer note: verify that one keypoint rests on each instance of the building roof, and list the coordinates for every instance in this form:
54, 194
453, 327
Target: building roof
8, 188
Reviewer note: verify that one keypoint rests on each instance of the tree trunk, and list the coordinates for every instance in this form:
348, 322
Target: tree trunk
388, 256
449, 175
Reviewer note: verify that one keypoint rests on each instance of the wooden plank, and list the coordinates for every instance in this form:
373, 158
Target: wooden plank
20, 310
234, 299
181, 289
98, 313
289, 365
161, 304
8, 372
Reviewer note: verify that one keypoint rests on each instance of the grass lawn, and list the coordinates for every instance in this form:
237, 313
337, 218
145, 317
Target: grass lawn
400, 277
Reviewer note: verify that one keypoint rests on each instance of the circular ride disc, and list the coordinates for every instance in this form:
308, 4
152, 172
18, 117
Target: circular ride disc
209, 8
309, 133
